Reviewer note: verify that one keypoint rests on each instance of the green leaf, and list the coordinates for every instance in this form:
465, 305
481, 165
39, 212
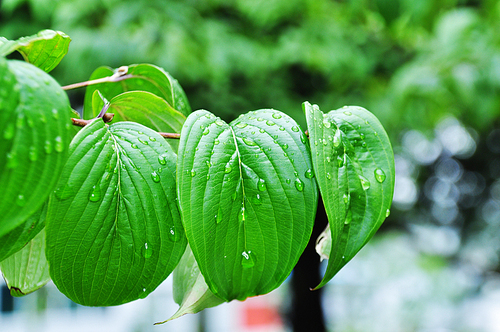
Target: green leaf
247, 198
144, 77
44, 50
27, 270
21, 235
149, 110
354, 166
34, 138
113, 226
190, 290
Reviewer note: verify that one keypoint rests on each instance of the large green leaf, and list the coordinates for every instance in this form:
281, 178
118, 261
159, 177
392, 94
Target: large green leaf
248, 199
147, 109
44, 50
34, 139
113, 226
190, 290
144, 77
27, 270
354, 166
22, 234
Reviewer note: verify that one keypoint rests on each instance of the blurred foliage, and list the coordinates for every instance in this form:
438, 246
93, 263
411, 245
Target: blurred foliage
409, 62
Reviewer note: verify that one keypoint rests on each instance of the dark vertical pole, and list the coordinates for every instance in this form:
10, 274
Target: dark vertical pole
7, 300
306, 313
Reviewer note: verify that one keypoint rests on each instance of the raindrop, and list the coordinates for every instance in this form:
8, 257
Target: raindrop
33, 153
208, 163
227, 169
315, 142
328, 176
295, 129
48, 147
326, 123
218, 216
193, 172
162, 159
206, 131
299, 185
59, 146
282, 128
276, 115
143, 141
303, 139
152, 139
336, 139
249, 141
21, 201
219, 122
347, 113
362, 135
325, 142
364, 183
387, 213
309, 174
241, 125
147, 251
55, 114
95, 193
288, 181
155, 177
328, 159
257, 200
134, 146
270, 123
379, 175
260, 119
208, 177
347, 199
340, 161
261, 185
285, 146
216, 142
241, 214
173, 234
262, 131
247, 259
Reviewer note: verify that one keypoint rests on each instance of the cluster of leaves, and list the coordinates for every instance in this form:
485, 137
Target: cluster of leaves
108, 212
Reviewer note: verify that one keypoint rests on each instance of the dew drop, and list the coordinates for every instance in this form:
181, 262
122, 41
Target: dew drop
193, 172
147, 251
249, 142
241, 125
347, 199
216, 142
247, 259
326, 123
206, 132
299, 185
296, 129
143, 141
155, 176
257, 200
55, 114
134, 146
347, 113
282, 128
336, 139
387, 213
228, 169
208, 177
340, 161
241, 214
173, 234
303, 139
261, 185
152, 139
20, 200
262, 131
325, 142
328, 176
309, 174
33, 153
218, 216
162, 159
95, 193
59, 146
362, 135
316, 143
364, 183
328, 159
379, 175
288, 181
270, 123
276, 115
285, 146
48, 147
219, 122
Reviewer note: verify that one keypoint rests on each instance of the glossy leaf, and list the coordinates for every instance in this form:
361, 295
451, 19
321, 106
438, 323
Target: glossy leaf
354, 166
146, 109
44, 50
144, 77
190, 290
22, 234
34, 139
113, 226
248, 199
27, 270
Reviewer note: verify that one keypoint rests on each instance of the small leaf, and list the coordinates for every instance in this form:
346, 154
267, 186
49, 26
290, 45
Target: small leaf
145, 77
247, 199
354, 166
44, 50
148, 110
21, 235
27, 270
190, 290
35, 131
113, 226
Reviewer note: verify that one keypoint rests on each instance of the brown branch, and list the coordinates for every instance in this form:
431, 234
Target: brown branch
119, 75
170, 135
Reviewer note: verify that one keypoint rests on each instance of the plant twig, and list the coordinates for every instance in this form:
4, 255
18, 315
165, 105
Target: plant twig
119, 75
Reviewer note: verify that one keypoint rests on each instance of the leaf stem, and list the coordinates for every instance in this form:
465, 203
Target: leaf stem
119, 75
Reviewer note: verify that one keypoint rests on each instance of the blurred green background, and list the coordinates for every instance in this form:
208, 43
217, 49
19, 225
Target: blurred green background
428, 69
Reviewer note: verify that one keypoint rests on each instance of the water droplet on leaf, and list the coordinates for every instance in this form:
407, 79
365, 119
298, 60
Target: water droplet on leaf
247, 259
261, 185
147, 251
155, 177
21, 201
379, 175
276, 115
296, 129
309, 174
173, 234
59, 146
299, 185
95, 193
364, 182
